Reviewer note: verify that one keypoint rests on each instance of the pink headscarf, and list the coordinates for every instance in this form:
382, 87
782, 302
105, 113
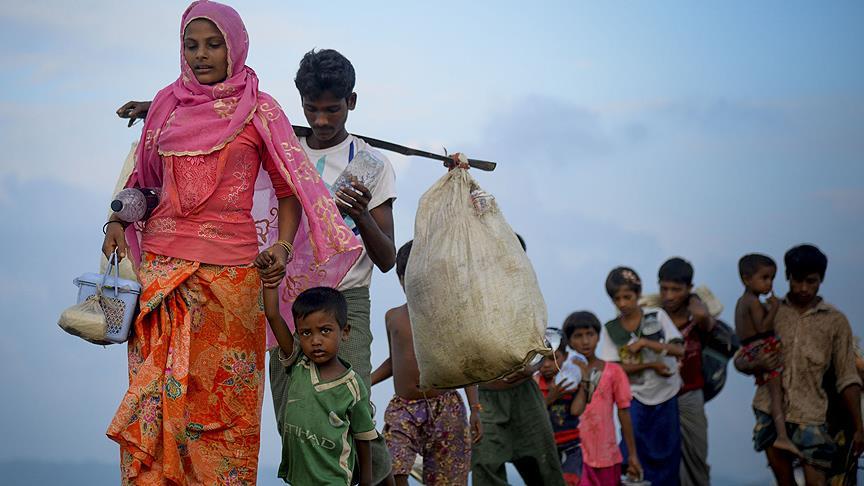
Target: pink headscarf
188, 118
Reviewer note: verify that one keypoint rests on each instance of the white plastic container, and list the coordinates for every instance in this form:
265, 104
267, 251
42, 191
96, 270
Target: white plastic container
121, 294
570, 371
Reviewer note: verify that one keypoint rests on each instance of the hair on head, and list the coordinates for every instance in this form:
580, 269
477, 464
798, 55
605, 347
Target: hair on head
623, 277
321, 299
749, 264
804, 260
322, 71
579, 320
521, 241
676, 270
402, 258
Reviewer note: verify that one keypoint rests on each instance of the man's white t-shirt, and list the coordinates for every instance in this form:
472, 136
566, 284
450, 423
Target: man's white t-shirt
330, 163
647, 386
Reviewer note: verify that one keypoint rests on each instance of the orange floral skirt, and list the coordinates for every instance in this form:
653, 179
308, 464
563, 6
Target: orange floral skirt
192, 413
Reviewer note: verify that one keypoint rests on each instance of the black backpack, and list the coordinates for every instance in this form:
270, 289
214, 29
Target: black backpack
718, 347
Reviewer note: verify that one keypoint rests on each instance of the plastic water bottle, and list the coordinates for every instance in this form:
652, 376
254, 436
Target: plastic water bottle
133, 204
365, 167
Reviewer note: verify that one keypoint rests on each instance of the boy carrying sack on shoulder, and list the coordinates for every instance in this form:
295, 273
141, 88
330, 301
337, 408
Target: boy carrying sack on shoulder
326, 424
432, 424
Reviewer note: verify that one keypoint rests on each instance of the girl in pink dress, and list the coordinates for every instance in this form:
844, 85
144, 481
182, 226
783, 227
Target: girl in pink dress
601, 456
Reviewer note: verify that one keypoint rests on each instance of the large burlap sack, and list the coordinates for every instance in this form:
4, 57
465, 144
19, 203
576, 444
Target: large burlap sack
476, 308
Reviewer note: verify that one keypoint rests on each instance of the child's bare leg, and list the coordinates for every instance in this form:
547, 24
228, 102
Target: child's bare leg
782, 442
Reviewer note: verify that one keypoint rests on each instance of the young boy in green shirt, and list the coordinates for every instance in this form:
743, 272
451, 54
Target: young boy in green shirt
326, 424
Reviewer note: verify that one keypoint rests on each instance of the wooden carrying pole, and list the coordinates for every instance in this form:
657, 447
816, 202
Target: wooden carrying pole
302, 131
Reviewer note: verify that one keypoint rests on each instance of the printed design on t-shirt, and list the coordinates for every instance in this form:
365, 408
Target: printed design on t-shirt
308, 436
320, 168
335, 421
651, 329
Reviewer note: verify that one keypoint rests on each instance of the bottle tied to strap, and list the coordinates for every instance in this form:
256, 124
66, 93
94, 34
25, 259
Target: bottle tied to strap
135, 204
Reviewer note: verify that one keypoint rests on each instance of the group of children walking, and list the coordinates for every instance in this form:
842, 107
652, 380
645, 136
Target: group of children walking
636, 361
629, 364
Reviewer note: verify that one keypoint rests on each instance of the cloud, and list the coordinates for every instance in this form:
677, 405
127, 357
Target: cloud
539, 127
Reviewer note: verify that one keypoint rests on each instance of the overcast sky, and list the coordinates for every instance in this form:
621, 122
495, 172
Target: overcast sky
625, 133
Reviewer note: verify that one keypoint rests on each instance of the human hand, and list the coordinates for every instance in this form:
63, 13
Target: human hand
133, 110
353, 200
769, 361
456, 160
516, 376
697, 309
638, 345
476, 427
271, 265
634, 468
772, 301
661, 369
115, 239
583, 367
556, 390
857, 443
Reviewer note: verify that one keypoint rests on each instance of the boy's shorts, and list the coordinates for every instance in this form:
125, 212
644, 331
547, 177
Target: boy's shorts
814, 442
756, 347
437, 429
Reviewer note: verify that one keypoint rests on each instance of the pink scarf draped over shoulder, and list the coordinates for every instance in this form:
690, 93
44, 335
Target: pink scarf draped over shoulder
189, 118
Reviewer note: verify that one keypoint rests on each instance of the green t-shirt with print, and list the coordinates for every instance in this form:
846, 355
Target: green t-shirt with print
320, 422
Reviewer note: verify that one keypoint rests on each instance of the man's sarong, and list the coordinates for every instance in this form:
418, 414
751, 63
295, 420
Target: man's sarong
516, 429
694, 440
192, 412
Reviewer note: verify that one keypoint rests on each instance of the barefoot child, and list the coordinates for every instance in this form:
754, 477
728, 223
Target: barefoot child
432, 424
754, 324
600, 452
326, 424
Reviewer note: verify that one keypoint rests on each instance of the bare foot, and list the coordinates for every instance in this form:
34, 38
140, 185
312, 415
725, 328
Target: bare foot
784, 444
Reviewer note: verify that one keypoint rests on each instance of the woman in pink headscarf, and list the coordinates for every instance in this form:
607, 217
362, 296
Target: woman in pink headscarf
234, 180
